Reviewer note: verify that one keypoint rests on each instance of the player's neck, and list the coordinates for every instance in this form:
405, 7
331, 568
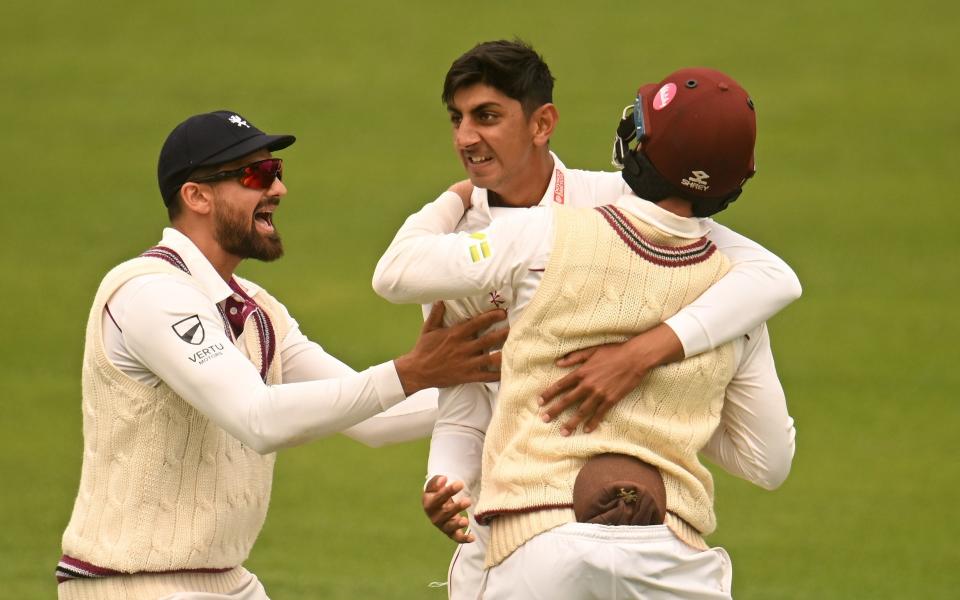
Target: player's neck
529, 189
678, 206
222, 261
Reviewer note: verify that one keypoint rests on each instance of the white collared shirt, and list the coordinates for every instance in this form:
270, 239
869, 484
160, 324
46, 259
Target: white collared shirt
320, 395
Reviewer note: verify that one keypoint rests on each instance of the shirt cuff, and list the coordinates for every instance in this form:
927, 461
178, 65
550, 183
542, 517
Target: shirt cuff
693, 337
387, 383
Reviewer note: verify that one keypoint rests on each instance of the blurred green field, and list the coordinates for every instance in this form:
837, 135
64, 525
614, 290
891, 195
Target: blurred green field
856, 181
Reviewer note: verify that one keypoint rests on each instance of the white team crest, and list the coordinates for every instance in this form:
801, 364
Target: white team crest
189, 330
697, 181
239, 122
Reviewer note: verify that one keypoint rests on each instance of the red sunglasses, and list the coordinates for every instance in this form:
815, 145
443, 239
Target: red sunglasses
256, 176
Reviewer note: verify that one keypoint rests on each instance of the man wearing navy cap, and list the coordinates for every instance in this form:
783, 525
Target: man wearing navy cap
193, 378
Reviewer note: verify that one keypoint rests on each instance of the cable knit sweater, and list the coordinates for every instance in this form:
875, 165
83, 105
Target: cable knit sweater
162, 488
609, 277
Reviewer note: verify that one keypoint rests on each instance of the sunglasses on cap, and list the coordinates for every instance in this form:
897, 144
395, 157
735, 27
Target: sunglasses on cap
256, 176
632, 127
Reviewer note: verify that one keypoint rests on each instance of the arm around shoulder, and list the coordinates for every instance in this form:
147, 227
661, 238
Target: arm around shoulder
758, 285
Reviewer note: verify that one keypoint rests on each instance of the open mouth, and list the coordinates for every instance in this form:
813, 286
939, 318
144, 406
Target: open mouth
478, 160
263, 219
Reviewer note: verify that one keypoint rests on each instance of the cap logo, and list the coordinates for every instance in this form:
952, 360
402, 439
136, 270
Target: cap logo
664, 96
239, 122
697, 181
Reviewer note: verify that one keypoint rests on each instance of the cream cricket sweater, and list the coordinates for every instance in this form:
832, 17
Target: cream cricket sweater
162, 488
609, 277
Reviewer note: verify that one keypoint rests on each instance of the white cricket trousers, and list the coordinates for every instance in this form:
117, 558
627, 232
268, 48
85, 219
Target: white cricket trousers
235, 584
583, 561
466, 568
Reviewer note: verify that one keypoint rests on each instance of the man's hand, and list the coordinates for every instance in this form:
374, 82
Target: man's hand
605, 375
448, 356
464, 189
444, 512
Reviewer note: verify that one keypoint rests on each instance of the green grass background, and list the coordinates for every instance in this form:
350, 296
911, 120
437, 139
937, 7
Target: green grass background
857, 189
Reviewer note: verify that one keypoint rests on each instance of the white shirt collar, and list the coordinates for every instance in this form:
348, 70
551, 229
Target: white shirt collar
479, 199
200, 268
685, 227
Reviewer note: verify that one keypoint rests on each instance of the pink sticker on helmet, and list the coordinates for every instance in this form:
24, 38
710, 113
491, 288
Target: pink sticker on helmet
664, 96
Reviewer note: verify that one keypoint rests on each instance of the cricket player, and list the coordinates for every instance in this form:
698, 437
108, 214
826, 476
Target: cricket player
193, 378
499, 96
561, 526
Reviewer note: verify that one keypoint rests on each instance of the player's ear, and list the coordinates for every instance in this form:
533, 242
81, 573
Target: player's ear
196, 197
542, 123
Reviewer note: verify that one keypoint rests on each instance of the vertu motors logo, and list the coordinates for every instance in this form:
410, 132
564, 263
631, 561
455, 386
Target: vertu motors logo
697, 181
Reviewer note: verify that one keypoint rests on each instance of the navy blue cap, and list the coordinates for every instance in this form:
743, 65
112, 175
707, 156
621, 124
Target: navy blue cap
209, 139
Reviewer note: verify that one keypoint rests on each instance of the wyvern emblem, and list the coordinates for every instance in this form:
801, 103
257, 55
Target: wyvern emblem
697, 181
236, 120
189, 330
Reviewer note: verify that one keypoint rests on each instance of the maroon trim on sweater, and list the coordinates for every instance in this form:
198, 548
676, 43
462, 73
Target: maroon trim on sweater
73, 568
106, 307
265, 332
166, 254
664, 256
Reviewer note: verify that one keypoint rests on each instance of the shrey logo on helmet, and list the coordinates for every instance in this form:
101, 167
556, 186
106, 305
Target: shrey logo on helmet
697, 181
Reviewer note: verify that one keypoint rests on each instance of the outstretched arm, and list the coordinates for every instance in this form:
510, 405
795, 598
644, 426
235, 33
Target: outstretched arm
227, 388
411, 419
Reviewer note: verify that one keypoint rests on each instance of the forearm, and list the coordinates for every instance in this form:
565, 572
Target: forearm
268, 418
413, 264
757, 286
456, 452
411, 419
456, 446
762, 458
426, 263
653, 348
756, 438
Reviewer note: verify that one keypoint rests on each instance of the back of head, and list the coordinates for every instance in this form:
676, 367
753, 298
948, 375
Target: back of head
514, 68
696, 131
